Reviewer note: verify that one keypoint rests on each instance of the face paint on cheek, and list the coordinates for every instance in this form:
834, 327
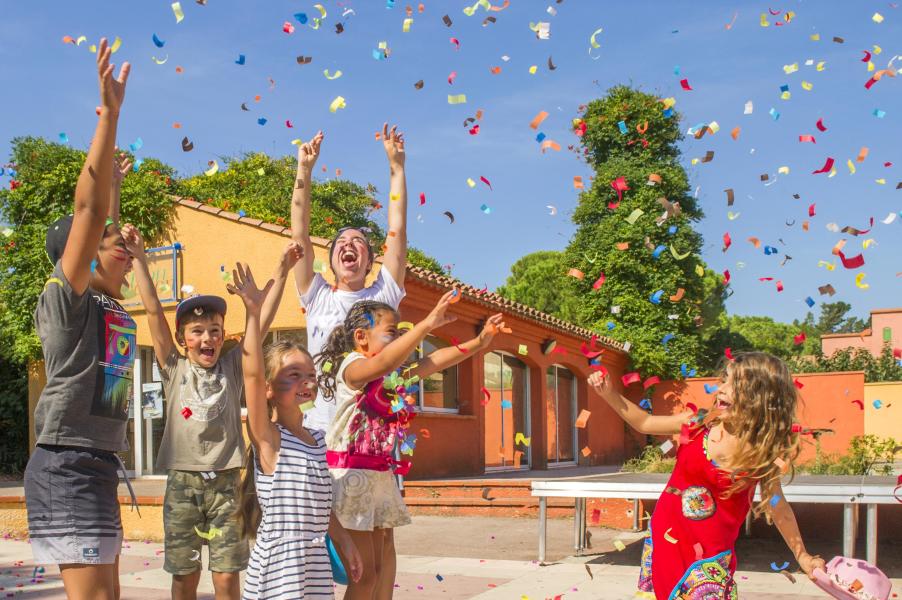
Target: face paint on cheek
386, 339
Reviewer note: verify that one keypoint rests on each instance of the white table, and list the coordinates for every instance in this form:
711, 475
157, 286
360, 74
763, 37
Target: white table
846, 490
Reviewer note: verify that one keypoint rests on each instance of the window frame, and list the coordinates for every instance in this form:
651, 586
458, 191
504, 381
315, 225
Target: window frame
421, 407
574, 411
527, 390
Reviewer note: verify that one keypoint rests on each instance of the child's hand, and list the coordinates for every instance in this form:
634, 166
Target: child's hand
810, 563
493, 326
353, 562
247, 289
112, 89
122, 164
393, 141
601, 383
134, 243
437, 318
292, 253
309, 152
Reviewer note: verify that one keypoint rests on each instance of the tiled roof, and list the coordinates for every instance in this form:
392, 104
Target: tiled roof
439, 280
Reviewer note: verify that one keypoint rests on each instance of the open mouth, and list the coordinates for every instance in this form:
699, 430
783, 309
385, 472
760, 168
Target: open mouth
348, 258
208, 352
724, 405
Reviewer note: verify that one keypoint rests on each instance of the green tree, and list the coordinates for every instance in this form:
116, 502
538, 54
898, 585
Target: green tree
884, 367
833, 319
260, 187
662, 256
539, 280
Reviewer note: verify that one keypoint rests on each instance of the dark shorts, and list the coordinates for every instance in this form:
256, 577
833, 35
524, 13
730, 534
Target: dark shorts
73, 506
199, 509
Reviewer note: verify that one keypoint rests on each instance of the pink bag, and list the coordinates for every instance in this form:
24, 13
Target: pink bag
853, 579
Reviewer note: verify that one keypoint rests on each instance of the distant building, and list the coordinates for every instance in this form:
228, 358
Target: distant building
886, 327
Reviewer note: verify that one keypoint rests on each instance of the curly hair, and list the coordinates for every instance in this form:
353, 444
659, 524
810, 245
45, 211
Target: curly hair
761, 419
362, 315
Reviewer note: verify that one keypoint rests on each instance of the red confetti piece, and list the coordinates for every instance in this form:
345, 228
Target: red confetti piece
726, 276
630, 378
684, 83
486, 181
798, 383
654, 379
598, 282
798, 339
820, 125
850, 263
486, 396
859, 403
828, 165
779, 286
619, 186
728, 353
422, 198
811, 210
186, 412
727, 241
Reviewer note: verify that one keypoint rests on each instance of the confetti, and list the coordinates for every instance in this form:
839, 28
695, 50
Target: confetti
177, 11
339, 102
457, 99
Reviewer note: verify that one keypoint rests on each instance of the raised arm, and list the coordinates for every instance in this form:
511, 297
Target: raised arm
292, 254
262, 431
122, 164
160, 332
361, 372
448, 357
785, 520
92, 192
300, 211
395, 259
637, 418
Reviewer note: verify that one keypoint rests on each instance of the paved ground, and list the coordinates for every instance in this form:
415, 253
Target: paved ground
469, 557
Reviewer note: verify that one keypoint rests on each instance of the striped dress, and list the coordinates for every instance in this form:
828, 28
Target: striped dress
289, 559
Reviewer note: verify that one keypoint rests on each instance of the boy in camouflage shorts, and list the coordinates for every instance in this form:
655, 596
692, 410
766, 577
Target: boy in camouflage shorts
203, 447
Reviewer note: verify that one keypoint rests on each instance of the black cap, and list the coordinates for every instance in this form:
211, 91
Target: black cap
57, 236
199, 305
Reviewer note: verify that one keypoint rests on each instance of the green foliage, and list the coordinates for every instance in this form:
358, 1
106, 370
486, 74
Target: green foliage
48, 173
13, 417
634, 275
876, 368
866, 455
652, 460
833, 319
539, 280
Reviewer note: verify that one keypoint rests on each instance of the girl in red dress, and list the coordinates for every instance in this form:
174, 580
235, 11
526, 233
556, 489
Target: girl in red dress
747, 440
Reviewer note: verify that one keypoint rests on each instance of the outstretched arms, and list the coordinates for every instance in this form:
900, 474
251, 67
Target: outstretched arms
448, 357
637, 418
300, 211
395, 259
122, 165
92, 193
785, 520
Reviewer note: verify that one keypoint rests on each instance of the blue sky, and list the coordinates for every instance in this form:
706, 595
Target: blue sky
50, 88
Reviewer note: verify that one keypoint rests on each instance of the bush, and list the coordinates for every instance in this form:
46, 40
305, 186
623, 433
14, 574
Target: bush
13, 417
652, 460
866, 455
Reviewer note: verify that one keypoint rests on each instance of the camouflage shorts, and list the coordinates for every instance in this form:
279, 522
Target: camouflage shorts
200, 510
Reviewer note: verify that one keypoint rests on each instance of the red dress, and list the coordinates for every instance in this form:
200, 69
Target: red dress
690, 550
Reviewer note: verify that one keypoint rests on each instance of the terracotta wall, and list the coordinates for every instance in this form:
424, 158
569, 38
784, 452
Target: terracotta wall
826, 402
886, 327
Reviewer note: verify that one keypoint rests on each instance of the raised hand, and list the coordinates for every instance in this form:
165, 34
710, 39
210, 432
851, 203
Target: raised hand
393, 142
134, 242
112, 89
493, 326
437, 318
292, 253
246, 288
122, 164
601, 382
308, 152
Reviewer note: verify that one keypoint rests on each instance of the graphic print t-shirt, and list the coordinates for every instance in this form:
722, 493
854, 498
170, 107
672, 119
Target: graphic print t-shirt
89, 344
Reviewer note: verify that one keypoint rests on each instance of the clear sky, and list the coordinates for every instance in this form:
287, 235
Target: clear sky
50, 88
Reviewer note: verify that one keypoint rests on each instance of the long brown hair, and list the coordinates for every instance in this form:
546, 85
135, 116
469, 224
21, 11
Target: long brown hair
362, 315
761, 418
248, 512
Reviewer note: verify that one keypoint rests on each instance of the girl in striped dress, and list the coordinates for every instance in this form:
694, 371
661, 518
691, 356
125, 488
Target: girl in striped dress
291, 510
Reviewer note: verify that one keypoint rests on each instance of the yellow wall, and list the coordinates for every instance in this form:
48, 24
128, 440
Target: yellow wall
885, 421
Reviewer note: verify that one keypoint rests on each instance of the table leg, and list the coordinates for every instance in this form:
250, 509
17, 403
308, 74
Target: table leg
871, 545
543, 510
748, 524
577, 507
848, 530
637, 523
582, 526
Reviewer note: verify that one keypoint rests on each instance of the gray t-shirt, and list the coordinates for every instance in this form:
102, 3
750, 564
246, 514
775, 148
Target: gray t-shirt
203, 414
89, 344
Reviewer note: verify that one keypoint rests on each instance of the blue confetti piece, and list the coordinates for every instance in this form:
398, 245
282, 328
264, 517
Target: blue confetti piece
390, 4
540, 137
93, 265
775, 500
240, 60
158, 42
672, 229
784, 88
684, 370
486, 209
775, 115
611, 325
645, 403
879, 113
301, 18
658, 251
656, 297
439, 577
668, 113
136, 145
774, 566
137, 165
64, 139
710, 389
261, 121
676, 69
241, 213
809, 301
506, 404
667, 337
768, 250
622, 126
877, 403
378, 54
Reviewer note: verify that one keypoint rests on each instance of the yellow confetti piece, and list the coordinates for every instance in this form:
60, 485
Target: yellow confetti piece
177, 11
823, 263
851, 166
404, 325
307, 406
214, 531
732, 216
806, 86
821, 65
870, 66
92, 48
668, 102
592, 41
327, 366
117, 43
867, 243
619, 545
881, 181
859, 282
522, 350
764, 22
533, 69
405, 27
877, 49
791, 68
784, 170
877, 18
714, 127
457, 99
470, 182
785, 96
80, 39
521, 439
339, 102
699, 270
331, 76
634, 216
832, 173
815, 37
667, 535
158, 61
214, 168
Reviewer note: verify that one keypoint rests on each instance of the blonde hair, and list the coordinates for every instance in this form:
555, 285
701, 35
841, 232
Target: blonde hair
248, 513
761, 419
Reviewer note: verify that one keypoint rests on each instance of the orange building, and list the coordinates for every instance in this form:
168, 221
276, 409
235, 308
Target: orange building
525, 418
886, 328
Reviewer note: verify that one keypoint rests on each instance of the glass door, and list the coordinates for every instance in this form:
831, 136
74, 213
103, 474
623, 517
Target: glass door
506, 413
560, 416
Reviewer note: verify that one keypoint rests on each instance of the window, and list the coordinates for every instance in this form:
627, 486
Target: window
506, 379
438, 392
887, 334
560, 410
